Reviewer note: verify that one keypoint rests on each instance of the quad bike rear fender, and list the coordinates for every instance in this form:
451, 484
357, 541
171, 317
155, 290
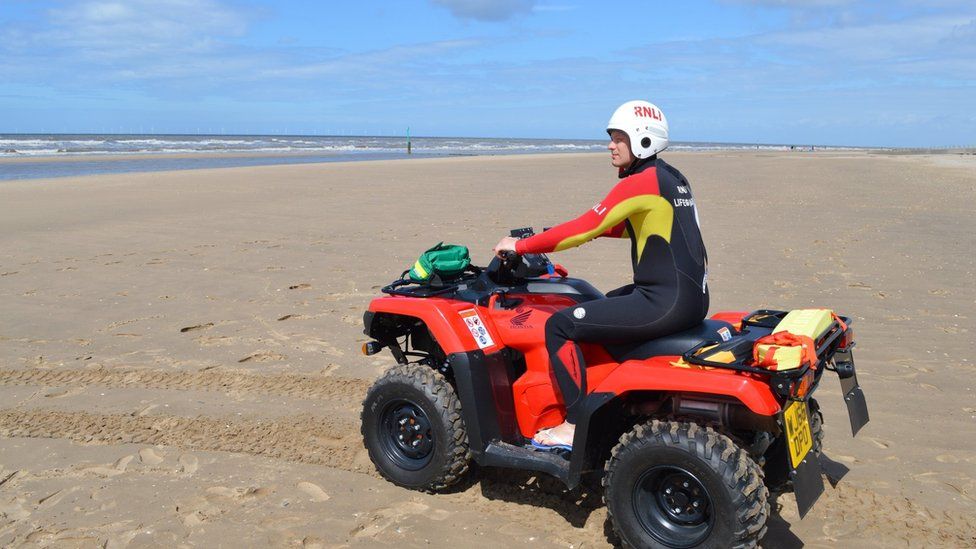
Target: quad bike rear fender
660, 374
631, 383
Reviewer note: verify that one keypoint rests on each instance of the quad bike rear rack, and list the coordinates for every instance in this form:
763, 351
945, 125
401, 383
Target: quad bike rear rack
741, 347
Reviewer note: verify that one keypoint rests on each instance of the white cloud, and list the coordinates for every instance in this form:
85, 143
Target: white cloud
925, 51
379, 62
919, 51
486, 10
114, 28
128, 42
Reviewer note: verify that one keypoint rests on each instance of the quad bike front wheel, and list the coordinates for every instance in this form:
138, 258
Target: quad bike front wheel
413, 430
676, 484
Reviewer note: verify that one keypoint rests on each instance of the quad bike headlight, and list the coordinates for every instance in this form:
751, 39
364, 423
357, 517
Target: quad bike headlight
372, 347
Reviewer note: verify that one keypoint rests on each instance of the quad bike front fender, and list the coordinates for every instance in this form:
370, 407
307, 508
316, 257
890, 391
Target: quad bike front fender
442, 318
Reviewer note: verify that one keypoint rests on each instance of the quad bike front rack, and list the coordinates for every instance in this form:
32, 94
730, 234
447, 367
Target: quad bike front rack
436, 286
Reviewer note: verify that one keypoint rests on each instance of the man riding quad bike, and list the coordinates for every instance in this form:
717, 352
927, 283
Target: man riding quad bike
651, 206
690, 429
518, 365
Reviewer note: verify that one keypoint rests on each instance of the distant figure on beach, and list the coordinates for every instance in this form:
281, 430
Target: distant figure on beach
652, 205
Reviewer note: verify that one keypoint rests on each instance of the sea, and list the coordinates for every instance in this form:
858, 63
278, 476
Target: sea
66, 155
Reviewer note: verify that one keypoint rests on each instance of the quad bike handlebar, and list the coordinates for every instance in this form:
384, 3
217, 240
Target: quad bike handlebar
509, 268
508, 256
508, 260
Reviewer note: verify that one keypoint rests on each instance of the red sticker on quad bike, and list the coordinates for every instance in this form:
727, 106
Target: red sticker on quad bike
477, 328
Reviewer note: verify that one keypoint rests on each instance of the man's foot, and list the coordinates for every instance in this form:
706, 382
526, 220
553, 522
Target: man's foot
559, 437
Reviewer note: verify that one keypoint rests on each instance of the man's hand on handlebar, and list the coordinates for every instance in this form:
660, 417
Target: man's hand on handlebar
506, 244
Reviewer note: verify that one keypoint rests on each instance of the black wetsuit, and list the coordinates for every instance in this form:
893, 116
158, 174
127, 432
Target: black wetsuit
654, 207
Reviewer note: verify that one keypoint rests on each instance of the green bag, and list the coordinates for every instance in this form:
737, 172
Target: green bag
442, 261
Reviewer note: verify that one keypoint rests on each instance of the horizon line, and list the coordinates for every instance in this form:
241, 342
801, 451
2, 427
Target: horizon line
403, 136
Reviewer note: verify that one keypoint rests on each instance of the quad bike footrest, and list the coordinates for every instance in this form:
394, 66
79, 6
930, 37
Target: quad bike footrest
503, 454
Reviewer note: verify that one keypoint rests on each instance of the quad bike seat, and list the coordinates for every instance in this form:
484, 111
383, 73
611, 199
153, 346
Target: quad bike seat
673, 344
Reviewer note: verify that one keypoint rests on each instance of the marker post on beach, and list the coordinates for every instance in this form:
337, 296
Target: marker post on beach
408, 141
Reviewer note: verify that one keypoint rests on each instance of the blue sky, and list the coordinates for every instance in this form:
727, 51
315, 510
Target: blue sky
844, 72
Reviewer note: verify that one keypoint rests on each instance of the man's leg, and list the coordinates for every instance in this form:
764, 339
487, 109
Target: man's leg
627, 317
567, 362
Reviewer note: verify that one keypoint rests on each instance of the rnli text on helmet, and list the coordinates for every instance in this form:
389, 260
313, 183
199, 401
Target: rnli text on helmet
647, 112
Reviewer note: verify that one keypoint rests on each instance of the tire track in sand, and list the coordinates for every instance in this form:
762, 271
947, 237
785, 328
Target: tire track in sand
330, 442
851, 510
847, 510
292, 385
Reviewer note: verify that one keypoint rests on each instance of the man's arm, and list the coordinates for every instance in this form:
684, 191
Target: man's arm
620, 231
630, 195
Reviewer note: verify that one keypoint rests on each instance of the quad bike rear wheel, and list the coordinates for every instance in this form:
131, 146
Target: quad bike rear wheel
816, 426
677, 484
412, 428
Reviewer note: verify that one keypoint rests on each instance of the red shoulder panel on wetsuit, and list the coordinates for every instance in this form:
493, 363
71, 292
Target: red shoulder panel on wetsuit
606, 218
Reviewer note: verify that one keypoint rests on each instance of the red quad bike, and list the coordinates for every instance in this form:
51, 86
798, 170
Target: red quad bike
689, 446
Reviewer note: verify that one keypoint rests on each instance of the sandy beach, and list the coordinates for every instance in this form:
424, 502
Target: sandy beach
180, 365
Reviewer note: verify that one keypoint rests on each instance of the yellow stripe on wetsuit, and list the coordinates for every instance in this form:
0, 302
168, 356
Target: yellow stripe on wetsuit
649, 214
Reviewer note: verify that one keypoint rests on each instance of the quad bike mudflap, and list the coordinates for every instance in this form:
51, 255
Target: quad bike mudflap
688, 434
800, 418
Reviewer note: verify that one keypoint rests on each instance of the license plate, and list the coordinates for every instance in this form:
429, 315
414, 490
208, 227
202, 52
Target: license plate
799, 439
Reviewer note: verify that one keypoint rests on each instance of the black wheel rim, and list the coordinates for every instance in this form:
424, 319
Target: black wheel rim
673, 506
406, 435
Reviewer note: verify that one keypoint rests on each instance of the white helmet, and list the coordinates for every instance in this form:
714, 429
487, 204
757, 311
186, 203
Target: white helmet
644, 124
